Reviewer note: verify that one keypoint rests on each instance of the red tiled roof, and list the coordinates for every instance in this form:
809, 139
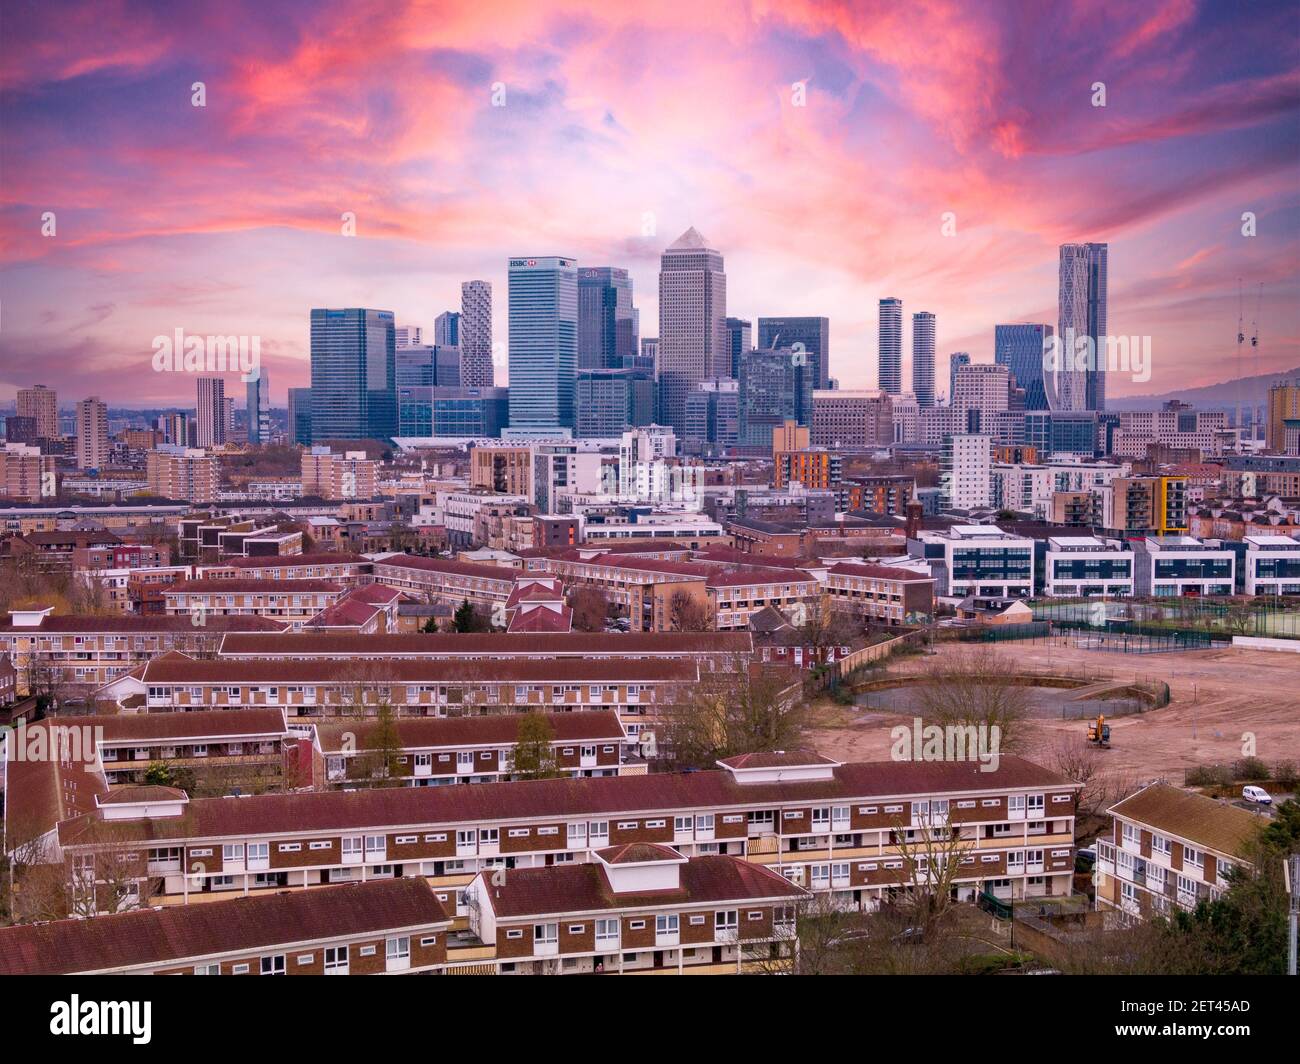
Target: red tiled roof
745, 577
177, 727
443, 565
528, 800
543, 618
880, 572
578, 888
549, 590
180, 669
238, 925
129, 624
495, 644
40, 791
778, 759
489, 730
638, 853
146, 793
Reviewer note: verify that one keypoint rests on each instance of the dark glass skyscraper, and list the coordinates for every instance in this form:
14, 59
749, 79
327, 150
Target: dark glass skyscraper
740, 338
1020, 348
606, 323
353, 374
543, 343
813, 333
769, 395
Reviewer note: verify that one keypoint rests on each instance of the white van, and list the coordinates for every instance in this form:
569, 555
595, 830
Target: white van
1257, 794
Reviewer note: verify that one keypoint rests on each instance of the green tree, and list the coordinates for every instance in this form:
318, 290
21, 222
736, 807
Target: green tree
431, 625
158, 774
468, 619
535, 748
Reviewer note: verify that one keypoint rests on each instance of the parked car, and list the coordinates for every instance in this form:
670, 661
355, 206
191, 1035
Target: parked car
1257, 795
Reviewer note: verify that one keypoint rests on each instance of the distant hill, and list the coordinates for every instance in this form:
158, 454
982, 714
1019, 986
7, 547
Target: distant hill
1249, 391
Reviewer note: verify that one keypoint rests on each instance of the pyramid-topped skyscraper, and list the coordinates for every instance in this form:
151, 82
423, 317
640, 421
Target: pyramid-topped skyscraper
693, 341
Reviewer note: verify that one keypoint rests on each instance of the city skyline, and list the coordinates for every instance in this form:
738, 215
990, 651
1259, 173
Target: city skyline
1198, 128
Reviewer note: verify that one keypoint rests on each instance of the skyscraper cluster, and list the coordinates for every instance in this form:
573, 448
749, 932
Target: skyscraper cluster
1074, 380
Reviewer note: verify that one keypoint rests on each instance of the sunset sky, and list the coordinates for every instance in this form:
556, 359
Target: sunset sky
226, 219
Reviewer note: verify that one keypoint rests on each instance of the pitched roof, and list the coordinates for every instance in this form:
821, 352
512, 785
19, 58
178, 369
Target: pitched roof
132, 624
638, 853
179, 669
147, 793
778, 759
691, 240
1209, 823
527, 800
880, 572
490, 644
574, 888
199, 724
182, 932
542, 618
443, 565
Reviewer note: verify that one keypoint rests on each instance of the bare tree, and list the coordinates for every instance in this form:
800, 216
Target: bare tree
688, 614
590, 607
932, 852
734, 713
973, 687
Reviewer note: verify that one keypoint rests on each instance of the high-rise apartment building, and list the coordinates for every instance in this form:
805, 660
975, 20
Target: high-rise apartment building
1081, 312
474, 332
891, 346
965, 471
955, 362
92, 434
923, 358
408, 335
338, 476
188, 473
1283, 406
353, 374
693, 339
210, 412
981, 391
25, 473
40, 403
543, 293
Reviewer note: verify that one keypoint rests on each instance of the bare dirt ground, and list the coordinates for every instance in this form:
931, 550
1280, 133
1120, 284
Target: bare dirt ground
1220, 698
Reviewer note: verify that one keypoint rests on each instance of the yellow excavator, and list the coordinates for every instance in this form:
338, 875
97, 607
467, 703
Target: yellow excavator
1099, 732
